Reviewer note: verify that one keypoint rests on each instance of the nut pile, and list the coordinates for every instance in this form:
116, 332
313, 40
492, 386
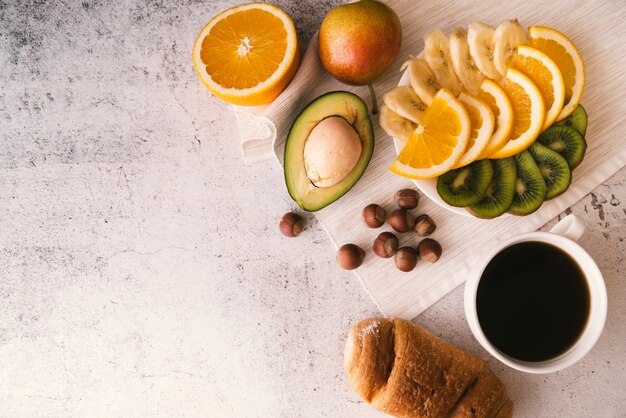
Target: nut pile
387, 245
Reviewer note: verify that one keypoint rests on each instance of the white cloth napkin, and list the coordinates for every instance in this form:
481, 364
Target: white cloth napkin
596, 29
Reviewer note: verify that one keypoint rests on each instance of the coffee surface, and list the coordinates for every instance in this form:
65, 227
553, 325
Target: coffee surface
532, 301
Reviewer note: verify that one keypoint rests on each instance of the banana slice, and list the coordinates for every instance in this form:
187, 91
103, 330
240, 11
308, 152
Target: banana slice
481, 44
406, 103
437, 55
422, 79
395, 125
463, 63
508, 35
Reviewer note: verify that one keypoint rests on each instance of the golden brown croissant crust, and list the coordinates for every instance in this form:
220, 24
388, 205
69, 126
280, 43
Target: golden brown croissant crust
405, 371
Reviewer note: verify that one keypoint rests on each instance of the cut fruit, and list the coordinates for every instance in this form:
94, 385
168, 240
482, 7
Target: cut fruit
247, 54
492, 94
437, 55
528, 113
480, 37
320, 165
546, 75
530, 188
405, 102
438, 143
422, 79
508, 36
554, 169
395, 125
482, 121
566, 56
499, 194
463, 63
567, 142
466, 185
577, 120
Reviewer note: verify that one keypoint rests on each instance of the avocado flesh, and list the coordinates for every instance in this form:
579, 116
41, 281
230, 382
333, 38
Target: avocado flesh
339, 103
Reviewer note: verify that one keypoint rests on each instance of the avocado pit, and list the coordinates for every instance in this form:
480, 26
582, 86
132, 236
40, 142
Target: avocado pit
331, 151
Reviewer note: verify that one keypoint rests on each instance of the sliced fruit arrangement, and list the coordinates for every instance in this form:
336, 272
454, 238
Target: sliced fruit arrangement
518, 89
528, 81
518, 185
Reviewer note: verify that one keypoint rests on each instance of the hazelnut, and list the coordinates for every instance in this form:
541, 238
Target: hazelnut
386, 245
402, 220
424, 225
429, 250
374, 215
407, 198
291, 224
406, 258
350, 256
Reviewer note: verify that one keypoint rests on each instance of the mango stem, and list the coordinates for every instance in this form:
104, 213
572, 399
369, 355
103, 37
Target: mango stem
374, 101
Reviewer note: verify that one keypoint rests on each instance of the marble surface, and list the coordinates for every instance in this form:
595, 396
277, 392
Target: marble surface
142, 273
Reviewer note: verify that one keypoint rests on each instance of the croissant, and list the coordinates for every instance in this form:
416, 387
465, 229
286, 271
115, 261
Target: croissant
403, 370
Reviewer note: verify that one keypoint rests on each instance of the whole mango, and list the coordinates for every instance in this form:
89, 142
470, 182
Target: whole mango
359, 41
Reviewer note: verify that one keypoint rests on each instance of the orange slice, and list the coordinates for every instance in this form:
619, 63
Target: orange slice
547, 76
482, 122
493, 95
566, 56
438, 142
247, 55
529, 112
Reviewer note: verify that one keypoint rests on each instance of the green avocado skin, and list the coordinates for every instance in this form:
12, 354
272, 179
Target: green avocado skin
337, 103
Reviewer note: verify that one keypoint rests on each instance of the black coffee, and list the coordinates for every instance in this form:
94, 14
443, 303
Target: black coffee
532, 301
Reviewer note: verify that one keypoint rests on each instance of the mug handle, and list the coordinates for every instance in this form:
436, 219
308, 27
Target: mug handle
571, 227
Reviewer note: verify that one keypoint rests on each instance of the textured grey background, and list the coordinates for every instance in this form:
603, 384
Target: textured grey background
141, 272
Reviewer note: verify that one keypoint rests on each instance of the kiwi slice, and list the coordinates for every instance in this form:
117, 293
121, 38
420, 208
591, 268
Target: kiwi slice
530, 188
566, 141
553, 168
466, 185
499, 194
577, 120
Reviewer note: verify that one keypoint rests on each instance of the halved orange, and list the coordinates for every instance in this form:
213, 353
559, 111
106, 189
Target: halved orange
247, 54
547, 76
529, 112
566, 56
438, 142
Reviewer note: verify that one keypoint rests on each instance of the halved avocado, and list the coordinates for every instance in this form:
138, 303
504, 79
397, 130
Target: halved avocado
338, 103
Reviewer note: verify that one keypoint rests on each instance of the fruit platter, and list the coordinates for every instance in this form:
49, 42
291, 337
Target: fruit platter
523, 122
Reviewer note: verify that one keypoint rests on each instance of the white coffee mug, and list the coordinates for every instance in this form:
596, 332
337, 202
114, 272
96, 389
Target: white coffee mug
563, 236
